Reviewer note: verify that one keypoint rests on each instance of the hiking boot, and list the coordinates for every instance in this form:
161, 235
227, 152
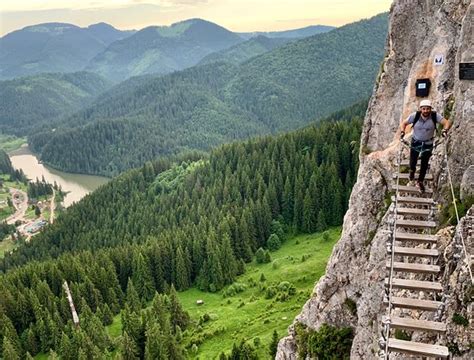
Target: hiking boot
421, 186
411, 179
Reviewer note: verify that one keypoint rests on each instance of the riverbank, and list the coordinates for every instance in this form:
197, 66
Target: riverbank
10, 143
76, 186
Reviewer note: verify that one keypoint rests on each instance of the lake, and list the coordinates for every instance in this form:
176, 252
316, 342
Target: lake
77, 185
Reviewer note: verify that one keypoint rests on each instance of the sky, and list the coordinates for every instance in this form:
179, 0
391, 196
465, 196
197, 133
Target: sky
235, 15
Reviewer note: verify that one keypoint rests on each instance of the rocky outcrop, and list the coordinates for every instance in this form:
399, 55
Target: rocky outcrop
419, 31
467, 183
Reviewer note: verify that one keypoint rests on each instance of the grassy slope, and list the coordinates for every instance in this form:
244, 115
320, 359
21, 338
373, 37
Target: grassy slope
9, 142
258, 317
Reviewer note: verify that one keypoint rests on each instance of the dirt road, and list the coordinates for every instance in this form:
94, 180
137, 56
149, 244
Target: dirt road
20, 201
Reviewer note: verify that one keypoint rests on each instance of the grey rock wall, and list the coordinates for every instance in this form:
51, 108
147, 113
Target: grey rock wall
420, 30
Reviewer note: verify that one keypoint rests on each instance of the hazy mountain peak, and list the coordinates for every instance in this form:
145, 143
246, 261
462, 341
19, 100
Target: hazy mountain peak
101, 25
52, 28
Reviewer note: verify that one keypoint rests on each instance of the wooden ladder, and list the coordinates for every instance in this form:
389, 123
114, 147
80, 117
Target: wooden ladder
413, 248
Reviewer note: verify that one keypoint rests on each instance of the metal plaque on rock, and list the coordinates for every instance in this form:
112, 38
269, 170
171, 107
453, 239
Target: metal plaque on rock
466, 71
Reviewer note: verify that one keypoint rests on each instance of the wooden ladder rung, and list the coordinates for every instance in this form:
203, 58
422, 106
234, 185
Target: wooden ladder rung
411, 189
416, 223
413, 324
414, 200
407, 162
408, 251
416, 348
405, 236
413, 211
406, 176
414, 267
415, 285
408, 303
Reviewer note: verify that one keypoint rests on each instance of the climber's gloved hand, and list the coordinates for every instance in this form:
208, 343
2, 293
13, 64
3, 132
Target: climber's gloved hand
402, 135
444, 133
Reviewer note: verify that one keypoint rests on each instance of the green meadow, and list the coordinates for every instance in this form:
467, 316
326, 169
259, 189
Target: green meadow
251, 315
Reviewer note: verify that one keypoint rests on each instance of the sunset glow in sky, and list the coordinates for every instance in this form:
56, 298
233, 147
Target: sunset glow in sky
235, 15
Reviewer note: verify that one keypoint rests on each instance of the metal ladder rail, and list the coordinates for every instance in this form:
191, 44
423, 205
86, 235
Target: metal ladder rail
386, 334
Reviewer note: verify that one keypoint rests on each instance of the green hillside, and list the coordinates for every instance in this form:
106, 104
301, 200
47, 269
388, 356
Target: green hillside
253, 312
239, 53
207, 105
173, 223
34, 101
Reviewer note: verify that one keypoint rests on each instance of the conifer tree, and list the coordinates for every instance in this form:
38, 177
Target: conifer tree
9, 350
182, 276
273, 344
179, 317
308, 213
66, 348
321, 224
132, 298
287, 202
128, 348
142, 278
156, 345
229, 266
298, 203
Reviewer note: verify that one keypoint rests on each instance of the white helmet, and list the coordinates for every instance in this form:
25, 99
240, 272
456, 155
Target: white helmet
425, 103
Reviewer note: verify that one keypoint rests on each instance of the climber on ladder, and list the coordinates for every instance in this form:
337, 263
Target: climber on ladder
424, 124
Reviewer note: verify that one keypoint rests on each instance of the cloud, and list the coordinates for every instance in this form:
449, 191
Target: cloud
122, 17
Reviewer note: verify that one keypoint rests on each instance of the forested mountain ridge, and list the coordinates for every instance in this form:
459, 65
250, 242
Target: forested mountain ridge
53, 47
290, 34
122, 138
206, 105
312, 77
171, 224
34, 101
162, 49
246, 50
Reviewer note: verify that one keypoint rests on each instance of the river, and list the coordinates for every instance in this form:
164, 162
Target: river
76, 185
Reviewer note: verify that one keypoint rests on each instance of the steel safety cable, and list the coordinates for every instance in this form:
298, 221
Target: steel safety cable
392, 255
466, 254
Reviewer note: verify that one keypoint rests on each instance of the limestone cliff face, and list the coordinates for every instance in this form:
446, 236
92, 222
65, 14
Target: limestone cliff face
420, 30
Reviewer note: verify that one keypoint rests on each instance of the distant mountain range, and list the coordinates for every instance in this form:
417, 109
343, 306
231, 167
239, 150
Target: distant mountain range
53, 47
207, 105
118, 55
162, 49
290, 34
